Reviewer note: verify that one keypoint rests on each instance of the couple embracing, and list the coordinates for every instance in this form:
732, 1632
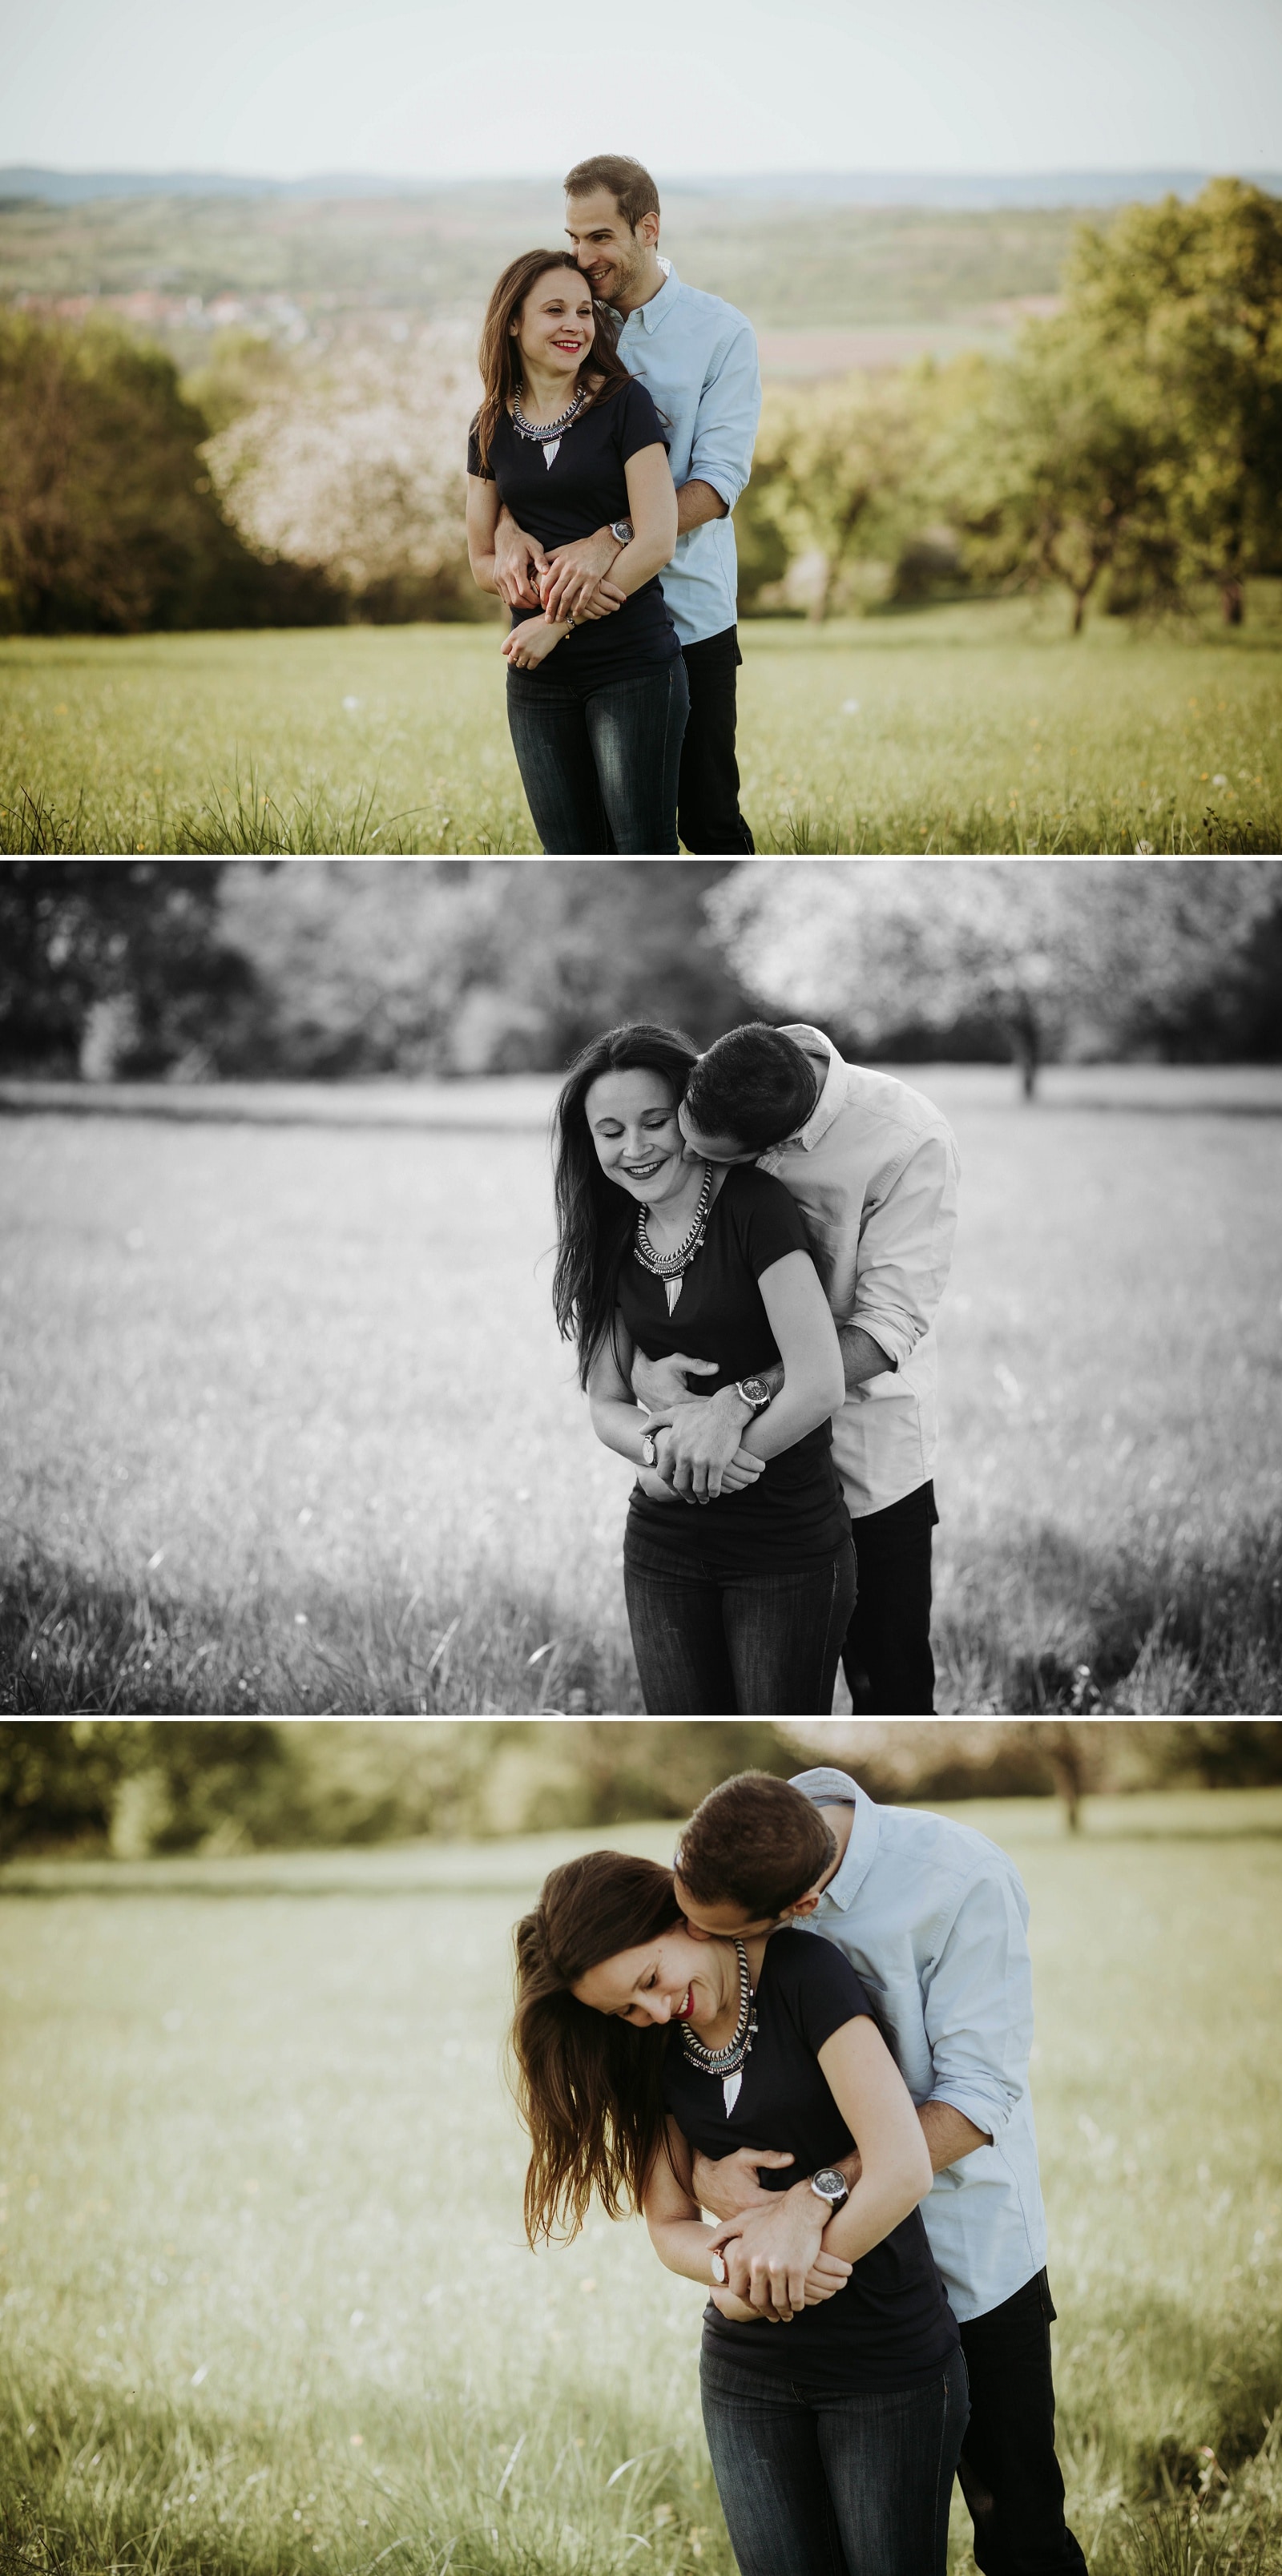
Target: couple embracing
853, 2110
613, 439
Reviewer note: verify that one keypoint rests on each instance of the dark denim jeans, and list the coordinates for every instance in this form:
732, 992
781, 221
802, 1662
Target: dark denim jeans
710, 1644
830, 2481
600, 766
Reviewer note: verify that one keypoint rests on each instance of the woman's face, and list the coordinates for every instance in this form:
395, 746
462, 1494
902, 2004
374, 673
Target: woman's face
632, 1121
672, 1978
554, 329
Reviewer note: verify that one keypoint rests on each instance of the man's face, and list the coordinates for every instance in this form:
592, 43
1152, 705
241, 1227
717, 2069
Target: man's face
700, 1148
614, 259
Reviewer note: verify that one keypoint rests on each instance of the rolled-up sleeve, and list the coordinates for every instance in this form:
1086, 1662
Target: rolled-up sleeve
905, 1250
978, 2004
725, 425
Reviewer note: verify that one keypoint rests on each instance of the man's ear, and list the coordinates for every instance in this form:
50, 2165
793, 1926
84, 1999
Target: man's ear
648, 229
805, 1904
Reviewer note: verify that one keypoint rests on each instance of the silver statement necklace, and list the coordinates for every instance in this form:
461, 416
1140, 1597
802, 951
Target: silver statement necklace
727, 2062
547, 434
670, 1267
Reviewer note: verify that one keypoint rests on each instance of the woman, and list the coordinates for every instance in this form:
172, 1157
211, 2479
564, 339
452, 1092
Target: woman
834, 2436
738, 1605
571, 443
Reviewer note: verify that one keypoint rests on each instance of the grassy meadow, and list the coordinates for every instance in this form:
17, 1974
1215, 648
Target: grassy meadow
286, 1427
964, 728
266, 2303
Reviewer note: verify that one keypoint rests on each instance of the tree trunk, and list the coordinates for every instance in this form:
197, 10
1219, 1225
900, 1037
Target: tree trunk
1026, 1043
1232, 601
1079, 611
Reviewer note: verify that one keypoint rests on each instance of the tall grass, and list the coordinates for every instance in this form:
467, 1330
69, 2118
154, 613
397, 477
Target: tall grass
967, 729
267, 2309
288, 1426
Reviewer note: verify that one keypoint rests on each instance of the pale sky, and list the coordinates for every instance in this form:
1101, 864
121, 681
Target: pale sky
434, 89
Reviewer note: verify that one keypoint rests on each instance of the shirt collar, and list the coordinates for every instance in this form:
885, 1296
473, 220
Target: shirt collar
659, 307
833, 1094
857, 1860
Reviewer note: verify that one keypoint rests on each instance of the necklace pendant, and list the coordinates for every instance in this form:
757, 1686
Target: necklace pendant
672, 1290
550, 447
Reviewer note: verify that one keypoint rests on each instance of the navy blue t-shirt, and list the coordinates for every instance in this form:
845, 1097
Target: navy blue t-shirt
891, 2326
585, 488
794, 1512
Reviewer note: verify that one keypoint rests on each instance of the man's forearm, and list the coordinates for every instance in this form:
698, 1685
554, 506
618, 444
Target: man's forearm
861, 1357
697, 503
948, 2134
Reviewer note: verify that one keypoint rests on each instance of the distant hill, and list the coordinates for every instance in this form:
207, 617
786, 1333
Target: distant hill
848, 188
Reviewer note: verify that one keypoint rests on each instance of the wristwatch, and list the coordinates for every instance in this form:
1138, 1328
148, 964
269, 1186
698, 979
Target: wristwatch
623, 530
649, 1454
830, 2186
754, 1391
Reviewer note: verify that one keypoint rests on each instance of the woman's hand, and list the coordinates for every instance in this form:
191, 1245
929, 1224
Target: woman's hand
739, 2312
530, 643
655, 1487
827, 2274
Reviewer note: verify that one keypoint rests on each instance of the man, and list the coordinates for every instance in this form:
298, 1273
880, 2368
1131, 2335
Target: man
698, 357
874, 1168
934, 1918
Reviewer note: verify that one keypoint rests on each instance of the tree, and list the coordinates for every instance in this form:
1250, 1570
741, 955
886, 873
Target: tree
1182, 305
829, 473
135, 938
869, 944
1054, 475
358, 469
107, 518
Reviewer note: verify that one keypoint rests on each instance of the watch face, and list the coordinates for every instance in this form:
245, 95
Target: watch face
756, 1390
829, 2183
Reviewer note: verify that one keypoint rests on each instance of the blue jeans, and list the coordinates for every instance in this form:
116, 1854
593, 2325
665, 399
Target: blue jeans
711, 1644
830, 2481
600, 766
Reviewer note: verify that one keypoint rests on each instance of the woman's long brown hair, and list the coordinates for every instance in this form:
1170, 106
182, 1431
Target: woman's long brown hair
589, 2086
602, 370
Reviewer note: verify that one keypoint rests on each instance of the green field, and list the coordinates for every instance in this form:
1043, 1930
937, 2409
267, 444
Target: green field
266, 2305
959, 729
286, 1426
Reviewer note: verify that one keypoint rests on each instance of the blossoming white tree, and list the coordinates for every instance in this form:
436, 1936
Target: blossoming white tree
360, 466
872, 943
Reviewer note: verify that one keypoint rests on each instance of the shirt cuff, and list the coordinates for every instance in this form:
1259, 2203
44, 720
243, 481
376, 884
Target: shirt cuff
726, 485
983, 2114
889, 1336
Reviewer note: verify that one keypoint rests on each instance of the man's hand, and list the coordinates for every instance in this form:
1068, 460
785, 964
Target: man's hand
518, 562
658, 1384
770, 2253
659, 1493
703, 1438
574, 575
728, 2184
828, 2274
740, 1470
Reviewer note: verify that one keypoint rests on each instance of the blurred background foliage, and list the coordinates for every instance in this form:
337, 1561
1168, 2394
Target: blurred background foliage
221, 1786
195, 970
1124, 444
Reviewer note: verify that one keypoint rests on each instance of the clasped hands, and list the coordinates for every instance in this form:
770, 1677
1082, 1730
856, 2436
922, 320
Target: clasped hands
696, 1437
570, 582
770, 2241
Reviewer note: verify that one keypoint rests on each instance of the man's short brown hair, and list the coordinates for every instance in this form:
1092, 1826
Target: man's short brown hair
754, 1841
631, 187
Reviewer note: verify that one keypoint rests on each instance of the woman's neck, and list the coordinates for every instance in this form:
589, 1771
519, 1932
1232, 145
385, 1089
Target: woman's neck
667, 1223
719, 2032
545, 395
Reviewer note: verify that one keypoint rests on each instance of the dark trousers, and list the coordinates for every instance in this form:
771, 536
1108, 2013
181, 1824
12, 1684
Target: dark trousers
886, 1656
710, 1644
1009, 2474
831, 2481
708, 815
599, 766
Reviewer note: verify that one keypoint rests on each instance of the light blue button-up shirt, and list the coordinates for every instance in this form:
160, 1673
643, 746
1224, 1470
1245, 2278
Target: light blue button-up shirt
698, 358
934, 1919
